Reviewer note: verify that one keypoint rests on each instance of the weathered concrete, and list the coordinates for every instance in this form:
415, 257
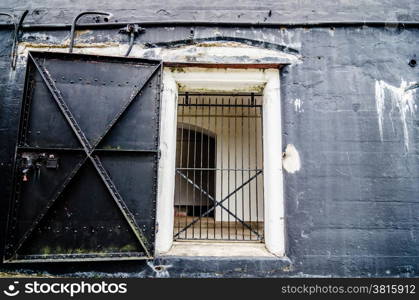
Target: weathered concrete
352, 209
56, 11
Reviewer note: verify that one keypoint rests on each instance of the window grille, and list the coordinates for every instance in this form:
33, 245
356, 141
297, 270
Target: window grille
219, 168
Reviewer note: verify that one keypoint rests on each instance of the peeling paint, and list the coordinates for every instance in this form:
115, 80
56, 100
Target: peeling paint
161, 271
221, 52
288, 268
290, 38
80, 33
297, 105
291, 161
39, 36
65, 44
270, 42
401, 98
258, 89
108, 48
203, 52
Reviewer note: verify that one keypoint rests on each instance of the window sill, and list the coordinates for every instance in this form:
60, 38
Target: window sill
218, 249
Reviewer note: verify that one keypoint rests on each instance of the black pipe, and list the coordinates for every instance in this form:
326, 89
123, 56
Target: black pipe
131, 42
8, 15
39, 27
18, 29
73, 25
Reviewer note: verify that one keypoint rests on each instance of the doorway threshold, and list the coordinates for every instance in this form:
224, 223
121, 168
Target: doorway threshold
219, 249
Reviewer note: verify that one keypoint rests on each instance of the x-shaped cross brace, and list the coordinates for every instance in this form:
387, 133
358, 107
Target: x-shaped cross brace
89, 151
217, 203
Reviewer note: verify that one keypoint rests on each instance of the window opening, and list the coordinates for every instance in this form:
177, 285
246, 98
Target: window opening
219, 168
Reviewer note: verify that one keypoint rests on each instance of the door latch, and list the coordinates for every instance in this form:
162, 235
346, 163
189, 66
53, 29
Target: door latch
34, 162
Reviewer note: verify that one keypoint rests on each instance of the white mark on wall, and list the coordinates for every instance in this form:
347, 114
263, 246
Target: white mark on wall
216, 32
398, 97
291, 161
297, 105
108, 48
290, 38
38, 36
161, 271
304, 235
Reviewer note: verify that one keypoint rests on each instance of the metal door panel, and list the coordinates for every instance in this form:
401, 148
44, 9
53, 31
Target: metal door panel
49, 179
86, 159
139, 119
83, 222
53, 130
101, 84
134, 187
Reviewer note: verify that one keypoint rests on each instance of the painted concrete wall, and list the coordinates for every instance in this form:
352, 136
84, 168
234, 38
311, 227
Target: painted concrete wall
58, 11
352, 206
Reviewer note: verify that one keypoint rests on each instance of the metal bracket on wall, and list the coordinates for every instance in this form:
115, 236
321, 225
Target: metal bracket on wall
17, 31
133, 30
73, 25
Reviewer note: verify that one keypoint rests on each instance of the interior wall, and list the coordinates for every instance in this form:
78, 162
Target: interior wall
195, 148
238, 133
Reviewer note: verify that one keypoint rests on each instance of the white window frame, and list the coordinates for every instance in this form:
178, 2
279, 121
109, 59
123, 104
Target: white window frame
225, 80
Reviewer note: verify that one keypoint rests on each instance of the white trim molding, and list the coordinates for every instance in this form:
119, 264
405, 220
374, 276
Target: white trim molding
223, 80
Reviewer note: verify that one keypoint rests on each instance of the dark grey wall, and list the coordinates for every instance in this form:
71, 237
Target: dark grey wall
58, 11
353, 208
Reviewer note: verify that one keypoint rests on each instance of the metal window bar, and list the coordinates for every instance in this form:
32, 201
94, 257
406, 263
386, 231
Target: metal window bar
219, 171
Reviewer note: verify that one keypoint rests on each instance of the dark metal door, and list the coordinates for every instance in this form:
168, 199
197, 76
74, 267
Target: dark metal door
85, 174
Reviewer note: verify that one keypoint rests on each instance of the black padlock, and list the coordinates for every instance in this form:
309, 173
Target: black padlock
51, 162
